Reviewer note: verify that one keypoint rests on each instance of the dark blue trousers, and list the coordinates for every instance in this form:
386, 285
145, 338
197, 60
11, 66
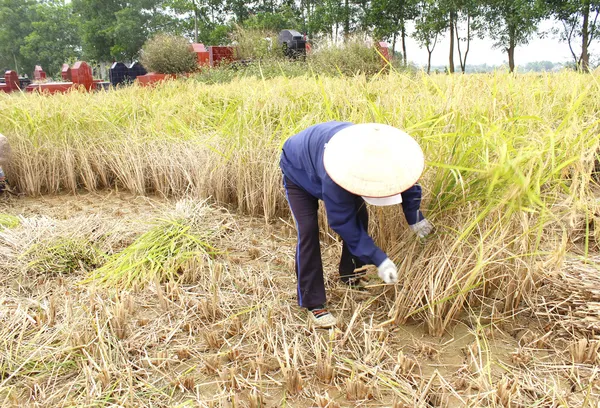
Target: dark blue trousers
309, 266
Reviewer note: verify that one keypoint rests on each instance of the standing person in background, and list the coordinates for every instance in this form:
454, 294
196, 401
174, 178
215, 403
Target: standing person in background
4, 157
346, 165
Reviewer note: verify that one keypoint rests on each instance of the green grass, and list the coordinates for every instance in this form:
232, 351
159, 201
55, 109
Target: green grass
9, 221
63, 255
161, 254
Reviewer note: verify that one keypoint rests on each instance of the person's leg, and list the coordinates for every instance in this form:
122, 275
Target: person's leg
309, 267
348, 262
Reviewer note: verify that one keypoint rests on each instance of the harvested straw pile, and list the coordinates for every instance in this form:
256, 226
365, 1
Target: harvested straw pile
170, 248
571, 297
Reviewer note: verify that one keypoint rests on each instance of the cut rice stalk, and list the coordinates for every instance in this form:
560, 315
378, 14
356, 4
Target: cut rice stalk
160, 254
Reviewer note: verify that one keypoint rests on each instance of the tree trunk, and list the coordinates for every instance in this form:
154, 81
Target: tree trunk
584, 61
430, 49
346, 20
394, 43
195, 22
429, 61
16, 65
460, 59
195, 26
511, 52
464, 66
463, 60
403, 33
451, 56
307, 19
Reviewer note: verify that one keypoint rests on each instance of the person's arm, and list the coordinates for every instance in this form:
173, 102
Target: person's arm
411, 204
342, 216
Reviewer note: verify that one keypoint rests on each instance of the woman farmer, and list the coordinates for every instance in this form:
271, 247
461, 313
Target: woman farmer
344, 165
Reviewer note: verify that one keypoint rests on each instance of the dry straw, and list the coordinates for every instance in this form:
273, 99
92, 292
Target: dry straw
508, 180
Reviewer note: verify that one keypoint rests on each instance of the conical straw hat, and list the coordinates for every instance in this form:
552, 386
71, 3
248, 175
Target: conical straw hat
373, 160
4, 150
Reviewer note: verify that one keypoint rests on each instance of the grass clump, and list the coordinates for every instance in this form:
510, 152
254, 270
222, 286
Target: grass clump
64, 255
168, 54
9, 221
256, 44
262, 69
162, 253
354, 57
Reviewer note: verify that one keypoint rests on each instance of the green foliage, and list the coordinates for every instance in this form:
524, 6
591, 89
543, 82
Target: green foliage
117, 29
53, 21
63, 255
255, 43
390, 17
161, 253
16, 17
202, 21
168, 54
579, 26
96, 17
285, 18
51, 32
351, 58
264, 69
513, 22
9, 221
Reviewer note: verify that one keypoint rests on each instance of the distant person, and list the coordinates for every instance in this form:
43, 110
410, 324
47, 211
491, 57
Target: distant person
5, 153
346, 165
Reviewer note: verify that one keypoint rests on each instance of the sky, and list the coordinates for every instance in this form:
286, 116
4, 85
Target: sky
482, 51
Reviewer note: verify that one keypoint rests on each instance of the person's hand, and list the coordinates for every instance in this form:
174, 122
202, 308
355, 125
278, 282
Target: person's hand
422, 228
387, 271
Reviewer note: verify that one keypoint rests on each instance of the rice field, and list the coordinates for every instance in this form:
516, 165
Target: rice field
149, 259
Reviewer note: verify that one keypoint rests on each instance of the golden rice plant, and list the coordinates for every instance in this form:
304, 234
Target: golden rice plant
508, 183
163, 252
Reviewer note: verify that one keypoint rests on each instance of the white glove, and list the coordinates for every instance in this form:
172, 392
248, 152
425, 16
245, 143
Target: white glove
387, 271
422, 228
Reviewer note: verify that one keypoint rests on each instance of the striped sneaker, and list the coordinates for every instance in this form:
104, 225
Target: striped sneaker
321, 318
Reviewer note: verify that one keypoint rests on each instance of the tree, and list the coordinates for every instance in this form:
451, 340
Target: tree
97, 20
429, 26
327, 17
134, 24
390, 17
579, 19
466, 14
116, 29
241, 9
448, 11
273, 21
469, 13
55, 38
206, 24
512, 23
16, 17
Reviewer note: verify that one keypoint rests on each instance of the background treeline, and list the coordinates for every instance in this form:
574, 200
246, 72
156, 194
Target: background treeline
51, 32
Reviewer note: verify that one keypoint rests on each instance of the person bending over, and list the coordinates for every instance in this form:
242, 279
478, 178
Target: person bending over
346, 165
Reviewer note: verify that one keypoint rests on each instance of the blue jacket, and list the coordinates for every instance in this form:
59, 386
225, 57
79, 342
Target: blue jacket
302, 163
